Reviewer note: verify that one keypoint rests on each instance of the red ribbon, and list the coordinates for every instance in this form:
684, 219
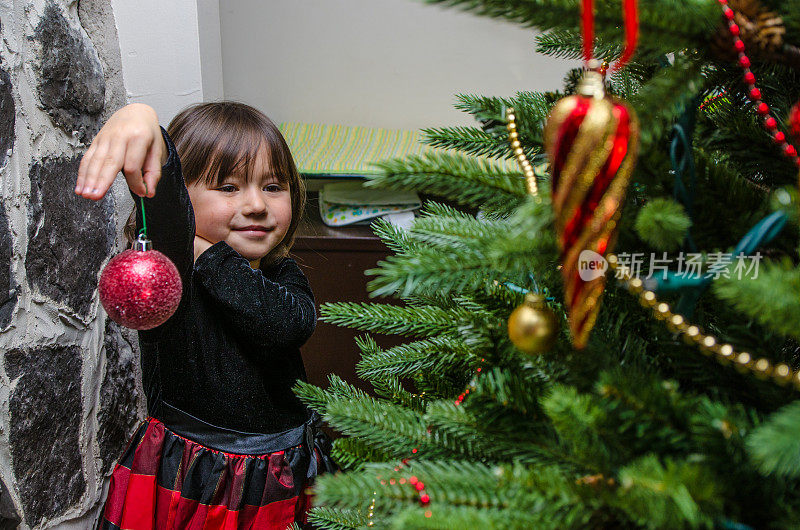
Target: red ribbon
587, 27
630, 12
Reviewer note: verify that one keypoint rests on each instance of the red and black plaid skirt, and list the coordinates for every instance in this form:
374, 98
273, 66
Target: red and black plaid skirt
167, 479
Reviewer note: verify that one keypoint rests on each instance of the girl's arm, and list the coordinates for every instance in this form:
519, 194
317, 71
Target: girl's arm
169, 215
131, 141
265, 313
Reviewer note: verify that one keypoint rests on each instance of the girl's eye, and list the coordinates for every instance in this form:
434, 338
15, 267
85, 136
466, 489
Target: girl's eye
227, 188
273, 187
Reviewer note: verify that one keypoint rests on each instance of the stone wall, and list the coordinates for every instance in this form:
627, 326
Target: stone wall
68, 392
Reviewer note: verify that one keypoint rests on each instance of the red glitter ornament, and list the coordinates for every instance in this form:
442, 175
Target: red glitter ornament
140, 288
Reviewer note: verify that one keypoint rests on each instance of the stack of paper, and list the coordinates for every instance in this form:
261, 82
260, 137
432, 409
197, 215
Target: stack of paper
349, 202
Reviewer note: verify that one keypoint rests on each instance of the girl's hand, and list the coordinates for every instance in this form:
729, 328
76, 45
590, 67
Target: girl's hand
200, 246
130, 142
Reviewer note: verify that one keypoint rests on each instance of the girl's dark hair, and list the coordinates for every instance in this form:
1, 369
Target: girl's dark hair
215, 140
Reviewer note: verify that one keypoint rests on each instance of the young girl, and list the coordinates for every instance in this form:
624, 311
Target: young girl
227, 444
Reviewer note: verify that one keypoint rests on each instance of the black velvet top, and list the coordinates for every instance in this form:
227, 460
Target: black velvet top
231, 352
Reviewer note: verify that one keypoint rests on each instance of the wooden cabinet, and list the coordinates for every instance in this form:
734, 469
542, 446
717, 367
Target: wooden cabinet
334, 261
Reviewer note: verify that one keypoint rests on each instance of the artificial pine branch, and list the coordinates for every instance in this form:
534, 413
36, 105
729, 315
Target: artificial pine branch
663, 223
392, 319
326, 518
391, 389
393, 429
773, 298
318, 399
465, 434
471, 141
468, 181
665, 25
436, 354
430, 269
663, 98
353, 453
664, 493
531, 108
775, 445
568, 44
395, 237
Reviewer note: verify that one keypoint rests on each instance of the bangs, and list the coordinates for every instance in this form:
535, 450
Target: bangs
239, 151
215, 141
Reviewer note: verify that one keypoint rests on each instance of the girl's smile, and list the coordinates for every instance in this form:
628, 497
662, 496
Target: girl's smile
254, 230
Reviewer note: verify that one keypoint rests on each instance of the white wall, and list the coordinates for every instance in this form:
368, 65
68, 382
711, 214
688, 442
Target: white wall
210, 49
170, 52
386, 63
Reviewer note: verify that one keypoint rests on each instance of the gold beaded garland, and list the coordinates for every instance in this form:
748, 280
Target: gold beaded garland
519, 153
708, 344
371, 511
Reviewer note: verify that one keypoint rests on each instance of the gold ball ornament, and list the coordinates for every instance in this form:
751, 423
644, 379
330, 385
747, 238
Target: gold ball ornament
533, 327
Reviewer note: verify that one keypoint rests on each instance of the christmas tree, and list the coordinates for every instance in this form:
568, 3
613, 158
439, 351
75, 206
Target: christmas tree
681, 410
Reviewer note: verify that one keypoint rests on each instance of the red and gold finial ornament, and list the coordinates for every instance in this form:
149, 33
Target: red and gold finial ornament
592, 141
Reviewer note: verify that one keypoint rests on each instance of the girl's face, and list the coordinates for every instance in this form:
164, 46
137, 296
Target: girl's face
252, 216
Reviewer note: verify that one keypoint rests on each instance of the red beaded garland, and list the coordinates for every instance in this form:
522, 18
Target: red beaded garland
770, 123
794, 121
424, 498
